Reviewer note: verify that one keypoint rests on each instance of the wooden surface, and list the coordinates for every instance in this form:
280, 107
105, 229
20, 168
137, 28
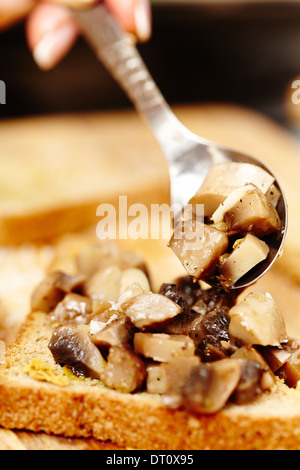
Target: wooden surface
242, 129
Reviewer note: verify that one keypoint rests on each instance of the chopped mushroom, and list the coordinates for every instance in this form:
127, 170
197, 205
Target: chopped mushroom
251, 354
213, 324
211, 349
149, 309
73, 347
71, 282
96, 256
73, 308
162, 347
156, 380
273, 194
248, 387
276, 357
132, 290
223, 178
46, 295
189, 288
257, 320
247, 253
198, 247
103, 313
124, 371
290, 370
172, 292
247, 209
118, 331
132, 276
175, 375
105, 284
53, 288
209, 386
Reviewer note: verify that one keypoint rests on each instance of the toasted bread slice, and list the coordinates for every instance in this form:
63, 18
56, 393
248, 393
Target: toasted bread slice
59, 169
140, 420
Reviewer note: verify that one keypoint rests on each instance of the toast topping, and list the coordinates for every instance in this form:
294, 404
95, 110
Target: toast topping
239, 209
196, 346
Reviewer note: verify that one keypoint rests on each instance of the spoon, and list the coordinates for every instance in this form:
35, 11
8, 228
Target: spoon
189, 156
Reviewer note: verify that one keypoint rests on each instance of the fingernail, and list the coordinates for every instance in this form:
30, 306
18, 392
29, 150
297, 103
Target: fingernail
53, 46
142, 16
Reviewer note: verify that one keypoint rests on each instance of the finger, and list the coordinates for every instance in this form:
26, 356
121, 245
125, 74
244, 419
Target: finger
12, 11
133, 15
77, 3
51, 33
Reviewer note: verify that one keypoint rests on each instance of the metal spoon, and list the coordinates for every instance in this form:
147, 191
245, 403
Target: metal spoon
189, 156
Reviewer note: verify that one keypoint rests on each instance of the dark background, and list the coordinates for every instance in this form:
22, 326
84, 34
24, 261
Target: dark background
246, 55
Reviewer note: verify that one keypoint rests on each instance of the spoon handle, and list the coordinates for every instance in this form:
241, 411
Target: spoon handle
122, 59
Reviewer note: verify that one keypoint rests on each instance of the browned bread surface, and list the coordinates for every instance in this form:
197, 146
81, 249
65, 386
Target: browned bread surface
140, 420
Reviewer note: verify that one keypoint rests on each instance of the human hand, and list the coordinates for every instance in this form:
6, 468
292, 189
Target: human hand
51, 30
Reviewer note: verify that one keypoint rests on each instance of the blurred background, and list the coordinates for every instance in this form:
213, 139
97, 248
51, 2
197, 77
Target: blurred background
242, 52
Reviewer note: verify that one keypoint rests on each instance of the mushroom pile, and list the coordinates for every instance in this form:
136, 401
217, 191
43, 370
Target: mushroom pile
198, 347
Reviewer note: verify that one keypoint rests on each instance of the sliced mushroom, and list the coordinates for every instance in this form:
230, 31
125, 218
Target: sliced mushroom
125, 371
248, 210
247, 253
73, 308
249, 353
73, 347
257, 320
223, 178
149, 309
162, 347
209, 386
198, 247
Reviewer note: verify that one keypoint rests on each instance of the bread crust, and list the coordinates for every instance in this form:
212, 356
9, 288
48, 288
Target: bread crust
139, 421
